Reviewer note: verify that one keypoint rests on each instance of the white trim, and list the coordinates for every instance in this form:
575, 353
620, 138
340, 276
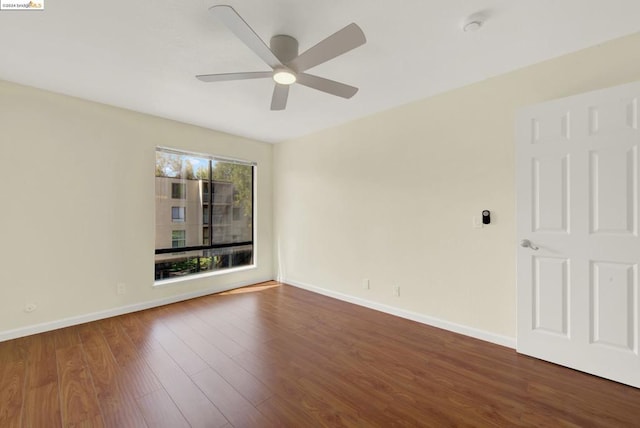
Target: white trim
414, 316
435, 322
207, 156
165, 282
108, 313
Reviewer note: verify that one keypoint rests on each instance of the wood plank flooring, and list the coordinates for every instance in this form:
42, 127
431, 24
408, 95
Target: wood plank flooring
272, 355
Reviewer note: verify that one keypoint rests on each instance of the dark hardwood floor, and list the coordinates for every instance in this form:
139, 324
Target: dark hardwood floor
273, 355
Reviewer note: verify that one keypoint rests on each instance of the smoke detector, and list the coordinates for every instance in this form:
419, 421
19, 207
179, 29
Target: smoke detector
475, 21
470, 26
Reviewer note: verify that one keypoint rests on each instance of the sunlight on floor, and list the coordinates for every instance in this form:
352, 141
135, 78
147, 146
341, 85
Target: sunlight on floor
251, 289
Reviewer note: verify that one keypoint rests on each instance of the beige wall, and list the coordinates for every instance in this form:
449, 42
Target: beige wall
391, 197
77, 185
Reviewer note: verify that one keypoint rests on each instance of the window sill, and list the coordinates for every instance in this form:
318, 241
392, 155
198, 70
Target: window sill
173, 281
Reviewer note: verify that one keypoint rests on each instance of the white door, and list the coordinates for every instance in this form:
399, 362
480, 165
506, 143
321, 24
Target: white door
577, 205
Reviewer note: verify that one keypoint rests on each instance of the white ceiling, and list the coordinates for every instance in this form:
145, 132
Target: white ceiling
143, 55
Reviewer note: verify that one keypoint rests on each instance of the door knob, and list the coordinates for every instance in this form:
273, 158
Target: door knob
525, 243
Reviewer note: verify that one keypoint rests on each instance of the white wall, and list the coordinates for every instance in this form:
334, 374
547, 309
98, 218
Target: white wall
391, 197
77, 213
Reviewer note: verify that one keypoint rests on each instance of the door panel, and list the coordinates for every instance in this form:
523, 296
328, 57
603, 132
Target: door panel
613, 193
550, 194
614, 287
577, 204
552, 126
551, 295
613, 116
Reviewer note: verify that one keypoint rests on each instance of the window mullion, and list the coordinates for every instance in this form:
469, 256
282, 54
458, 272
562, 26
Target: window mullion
211, 200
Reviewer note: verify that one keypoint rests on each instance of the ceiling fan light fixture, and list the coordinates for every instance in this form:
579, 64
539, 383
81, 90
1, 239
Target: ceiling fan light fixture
284, 77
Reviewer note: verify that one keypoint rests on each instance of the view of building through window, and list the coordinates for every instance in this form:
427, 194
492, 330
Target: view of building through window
178, 214
204, 214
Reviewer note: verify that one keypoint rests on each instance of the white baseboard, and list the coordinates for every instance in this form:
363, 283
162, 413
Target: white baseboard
414, 316
81, 319
435, 322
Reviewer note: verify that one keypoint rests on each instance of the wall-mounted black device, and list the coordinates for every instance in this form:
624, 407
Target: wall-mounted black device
486, 217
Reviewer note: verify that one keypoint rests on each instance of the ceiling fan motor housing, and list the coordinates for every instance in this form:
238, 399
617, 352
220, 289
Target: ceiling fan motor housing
284, 47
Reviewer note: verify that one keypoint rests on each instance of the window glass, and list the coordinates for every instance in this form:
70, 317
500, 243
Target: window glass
215, 212
177, 214
178, 190
178, 238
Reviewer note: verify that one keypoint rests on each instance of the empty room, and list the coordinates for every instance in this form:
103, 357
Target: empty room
319, 214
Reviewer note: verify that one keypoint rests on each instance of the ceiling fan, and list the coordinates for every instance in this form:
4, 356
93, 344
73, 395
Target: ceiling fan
282, 56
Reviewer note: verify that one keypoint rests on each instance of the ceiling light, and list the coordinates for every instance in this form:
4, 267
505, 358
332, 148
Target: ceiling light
284, 77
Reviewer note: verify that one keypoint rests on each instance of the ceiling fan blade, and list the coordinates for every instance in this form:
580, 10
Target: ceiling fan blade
280, 95
350, 37
325, 85
243, 31
234, 76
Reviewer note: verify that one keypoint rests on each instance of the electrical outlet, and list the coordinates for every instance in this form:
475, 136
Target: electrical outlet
121, 288
365, 284
396, 290
30, 307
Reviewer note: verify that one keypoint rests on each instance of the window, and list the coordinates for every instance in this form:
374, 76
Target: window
178, 191
178, 238
205, 236
205, 192
219, 194
178, 214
